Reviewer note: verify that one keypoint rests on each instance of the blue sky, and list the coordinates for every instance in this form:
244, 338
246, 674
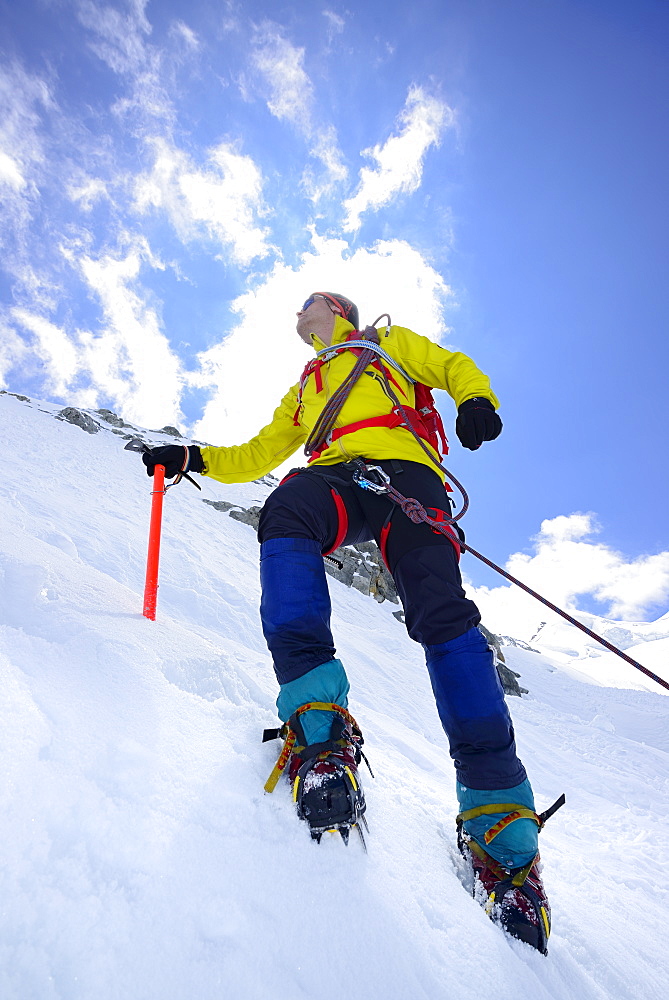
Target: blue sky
176, 178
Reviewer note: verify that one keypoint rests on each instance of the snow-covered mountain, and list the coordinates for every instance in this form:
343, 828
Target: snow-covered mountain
142, 859
645, 642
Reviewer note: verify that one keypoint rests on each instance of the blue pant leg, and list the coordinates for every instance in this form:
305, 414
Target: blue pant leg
473, 712
295, 606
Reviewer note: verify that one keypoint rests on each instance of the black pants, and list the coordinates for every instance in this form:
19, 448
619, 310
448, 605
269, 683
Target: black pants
312, 503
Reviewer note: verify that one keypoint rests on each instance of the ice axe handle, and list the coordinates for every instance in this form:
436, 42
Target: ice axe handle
153, 554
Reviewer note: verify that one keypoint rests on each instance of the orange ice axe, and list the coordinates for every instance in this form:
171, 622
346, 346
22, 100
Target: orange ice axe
153, 553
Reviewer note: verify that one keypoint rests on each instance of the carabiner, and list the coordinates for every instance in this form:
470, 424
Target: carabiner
361, 478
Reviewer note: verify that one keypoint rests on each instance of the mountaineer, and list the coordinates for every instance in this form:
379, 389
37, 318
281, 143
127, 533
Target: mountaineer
364, 413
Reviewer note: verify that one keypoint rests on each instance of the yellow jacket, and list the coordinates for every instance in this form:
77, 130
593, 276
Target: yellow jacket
420, 358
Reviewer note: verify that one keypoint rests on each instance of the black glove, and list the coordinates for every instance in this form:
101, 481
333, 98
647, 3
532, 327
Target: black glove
477, 422
177, 459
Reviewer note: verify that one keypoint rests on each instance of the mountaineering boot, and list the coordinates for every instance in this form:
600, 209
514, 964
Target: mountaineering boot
497, 824
521, 910
324, 778
322, 750
512, 895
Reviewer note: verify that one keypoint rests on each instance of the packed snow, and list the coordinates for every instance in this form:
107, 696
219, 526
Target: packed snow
143, 860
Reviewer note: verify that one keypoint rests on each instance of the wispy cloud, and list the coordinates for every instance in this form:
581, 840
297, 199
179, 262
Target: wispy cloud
335, 22
119, 32
399, 160
568, 563
290, 89
24, 99
186, 35
10, 172
290, 98
125, 361
119, 37
223, 199
87, 191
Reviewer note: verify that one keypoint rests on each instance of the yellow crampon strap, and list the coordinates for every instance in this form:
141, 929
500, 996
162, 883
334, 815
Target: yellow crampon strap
512, 811
519, 879
501, 873
494, 867
280, 765
290, 737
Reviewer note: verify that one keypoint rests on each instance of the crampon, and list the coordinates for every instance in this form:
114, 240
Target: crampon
513, 898
324, 776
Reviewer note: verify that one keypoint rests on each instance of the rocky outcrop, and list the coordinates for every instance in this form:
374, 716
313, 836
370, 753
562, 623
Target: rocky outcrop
361, 566
507, 676
112, 418
79, 419
250, 515
507, 640
16, 395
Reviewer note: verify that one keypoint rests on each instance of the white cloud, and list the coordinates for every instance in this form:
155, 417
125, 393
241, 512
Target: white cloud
37, 288
281, 63
55, 351
224, 199
185, 34
129, 360
326, 149
291, 98
257, 363
566, 563
23, 99
10, 172
120, 34
119, 37
400, 160
87, 192
13, 352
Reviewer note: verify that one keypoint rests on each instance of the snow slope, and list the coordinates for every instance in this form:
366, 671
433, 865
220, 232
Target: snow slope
142, 859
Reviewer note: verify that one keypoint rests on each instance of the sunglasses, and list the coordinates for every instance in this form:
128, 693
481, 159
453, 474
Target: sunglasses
310, 301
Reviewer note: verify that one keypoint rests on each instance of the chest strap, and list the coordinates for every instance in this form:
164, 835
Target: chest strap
389, 420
